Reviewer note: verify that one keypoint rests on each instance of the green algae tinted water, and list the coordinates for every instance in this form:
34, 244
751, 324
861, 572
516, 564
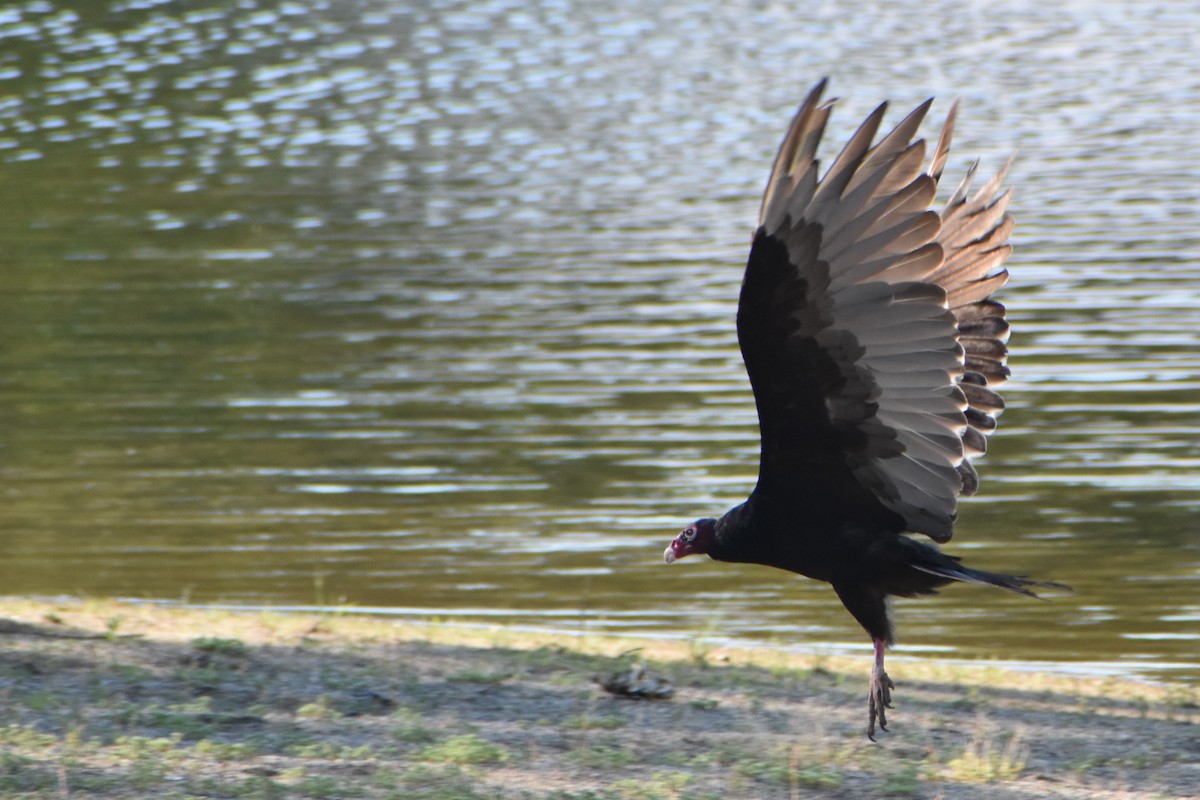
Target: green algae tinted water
428, 308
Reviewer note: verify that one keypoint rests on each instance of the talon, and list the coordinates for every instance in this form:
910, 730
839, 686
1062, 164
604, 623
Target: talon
879, 694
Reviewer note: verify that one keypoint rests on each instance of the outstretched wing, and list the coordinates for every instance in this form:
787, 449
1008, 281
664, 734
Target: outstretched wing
867, 327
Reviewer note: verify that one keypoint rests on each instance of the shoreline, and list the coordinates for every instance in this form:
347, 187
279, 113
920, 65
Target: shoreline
475, 629
103, 698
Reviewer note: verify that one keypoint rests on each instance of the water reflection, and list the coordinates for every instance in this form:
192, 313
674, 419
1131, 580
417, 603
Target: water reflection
430, 306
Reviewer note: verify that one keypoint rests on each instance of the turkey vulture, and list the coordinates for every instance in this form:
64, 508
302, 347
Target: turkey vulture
874, 350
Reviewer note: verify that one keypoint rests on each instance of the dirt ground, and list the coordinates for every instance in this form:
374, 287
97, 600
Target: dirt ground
114, 700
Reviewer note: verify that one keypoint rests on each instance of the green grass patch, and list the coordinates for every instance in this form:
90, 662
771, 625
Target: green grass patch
321, 708
603, 755
983, 761
226, 751
426, 782
662, 786
465, 749
478, 676
220, 645
790, 769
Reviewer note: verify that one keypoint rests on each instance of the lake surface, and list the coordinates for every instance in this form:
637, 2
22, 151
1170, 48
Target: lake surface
427, 308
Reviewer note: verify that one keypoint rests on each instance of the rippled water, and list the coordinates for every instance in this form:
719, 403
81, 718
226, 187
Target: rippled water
428, 307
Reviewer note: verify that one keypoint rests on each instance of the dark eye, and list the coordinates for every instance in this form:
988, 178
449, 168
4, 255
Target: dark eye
689, 534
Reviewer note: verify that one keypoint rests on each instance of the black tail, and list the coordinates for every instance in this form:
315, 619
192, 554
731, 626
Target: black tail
949, 567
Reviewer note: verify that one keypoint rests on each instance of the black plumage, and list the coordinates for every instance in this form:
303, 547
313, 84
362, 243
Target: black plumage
874, 350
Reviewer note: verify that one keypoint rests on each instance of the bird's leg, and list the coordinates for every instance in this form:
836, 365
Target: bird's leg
879, 693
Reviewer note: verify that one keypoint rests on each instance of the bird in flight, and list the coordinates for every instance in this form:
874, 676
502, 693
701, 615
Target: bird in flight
874, 349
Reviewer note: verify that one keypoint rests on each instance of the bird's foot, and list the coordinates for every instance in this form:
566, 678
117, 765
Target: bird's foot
879, 699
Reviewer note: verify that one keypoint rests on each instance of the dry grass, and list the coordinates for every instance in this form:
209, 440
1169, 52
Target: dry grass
186, 703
